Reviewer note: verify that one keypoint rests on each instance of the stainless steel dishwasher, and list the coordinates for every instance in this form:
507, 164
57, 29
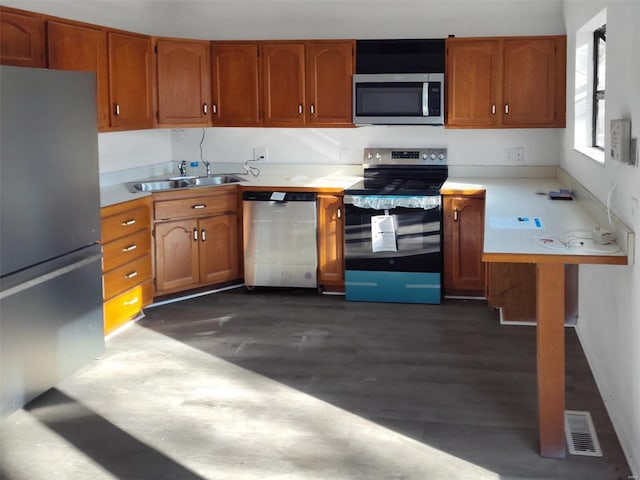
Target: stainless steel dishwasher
279, 237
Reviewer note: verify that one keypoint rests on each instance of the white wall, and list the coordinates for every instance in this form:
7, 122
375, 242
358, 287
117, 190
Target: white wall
609, 323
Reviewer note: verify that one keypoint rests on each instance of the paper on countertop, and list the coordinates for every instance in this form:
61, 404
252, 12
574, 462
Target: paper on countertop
516, 223
277, 196
383, 233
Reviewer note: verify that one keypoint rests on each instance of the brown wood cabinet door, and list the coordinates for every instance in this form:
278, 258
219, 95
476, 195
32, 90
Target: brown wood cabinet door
74, 47
463, 226
183, 82
22, 40
330, 242
219, 260
130, 81
329, 87
235, 84
176, 255
283, 83
473, 80
529, 94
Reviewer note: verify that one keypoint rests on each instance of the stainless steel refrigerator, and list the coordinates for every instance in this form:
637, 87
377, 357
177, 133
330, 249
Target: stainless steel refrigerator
50, 263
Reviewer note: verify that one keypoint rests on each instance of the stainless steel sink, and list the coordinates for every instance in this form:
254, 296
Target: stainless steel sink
182, 182
216, 180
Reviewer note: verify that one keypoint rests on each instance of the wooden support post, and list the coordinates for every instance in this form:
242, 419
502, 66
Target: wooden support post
551, 358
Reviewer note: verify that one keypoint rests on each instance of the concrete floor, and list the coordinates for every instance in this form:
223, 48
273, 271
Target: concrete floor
293, 385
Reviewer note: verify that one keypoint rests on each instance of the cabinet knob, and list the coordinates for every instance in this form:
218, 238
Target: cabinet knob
312, 109
133, 301
339, 213
214, 108
129, 248
204, 108
131, 275
203, 236
195, 234
506, 108
300, 109
455, 214
116, 109
128, 223
198, 206
493, 109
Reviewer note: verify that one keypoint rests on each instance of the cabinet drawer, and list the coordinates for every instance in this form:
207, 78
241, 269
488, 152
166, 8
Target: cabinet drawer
124, 223
127, 276
195, 207
125, 249
124, 307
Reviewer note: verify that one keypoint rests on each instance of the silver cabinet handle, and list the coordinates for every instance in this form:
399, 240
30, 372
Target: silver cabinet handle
116, 109
195, 234
312, 109
300, 109
455, 214
214, 108
128, 223
130, 248
425, 99
204, 108
133, 301
339, 213
203, 236
493, 109
506, 108
198, 206
131, 275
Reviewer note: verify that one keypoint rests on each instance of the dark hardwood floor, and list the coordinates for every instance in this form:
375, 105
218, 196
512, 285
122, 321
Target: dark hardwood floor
289, 384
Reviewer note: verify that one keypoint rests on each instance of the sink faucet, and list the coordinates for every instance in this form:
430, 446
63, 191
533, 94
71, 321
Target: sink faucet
207, 165
183, 168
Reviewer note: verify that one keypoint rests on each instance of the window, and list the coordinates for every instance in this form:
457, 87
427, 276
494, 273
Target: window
589, 124
599, 62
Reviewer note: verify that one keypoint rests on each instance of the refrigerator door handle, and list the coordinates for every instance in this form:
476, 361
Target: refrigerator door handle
49, 276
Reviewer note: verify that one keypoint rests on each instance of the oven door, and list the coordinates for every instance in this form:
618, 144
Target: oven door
393, 248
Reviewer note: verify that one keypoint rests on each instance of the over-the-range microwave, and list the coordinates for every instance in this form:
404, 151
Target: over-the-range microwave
398, 99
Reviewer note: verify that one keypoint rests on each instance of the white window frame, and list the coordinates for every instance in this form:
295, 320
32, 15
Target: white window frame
583, 93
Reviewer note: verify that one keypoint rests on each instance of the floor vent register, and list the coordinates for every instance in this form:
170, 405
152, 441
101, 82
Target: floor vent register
581, 435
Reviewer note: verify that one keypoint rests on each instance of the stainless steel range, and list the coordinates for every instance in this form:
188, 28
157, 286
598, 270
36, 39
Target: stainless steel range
393, 218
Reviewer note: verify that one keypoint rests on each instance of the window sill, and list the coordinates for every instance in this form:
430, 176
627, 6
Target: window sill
594, 154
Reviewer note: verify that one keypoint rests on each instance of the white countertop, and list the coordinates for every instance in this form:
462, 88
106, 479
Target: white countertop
512, 204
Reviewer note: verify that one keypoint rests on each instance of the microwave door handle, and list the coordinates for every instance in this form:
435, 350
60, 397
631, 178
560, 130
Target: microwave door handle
425, 99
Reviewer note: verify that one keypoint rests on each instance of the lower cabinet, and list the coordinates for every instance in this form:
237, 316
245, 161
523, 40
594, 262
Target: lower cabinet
512, 288
463, 234
126, 261
196, 239
330, 242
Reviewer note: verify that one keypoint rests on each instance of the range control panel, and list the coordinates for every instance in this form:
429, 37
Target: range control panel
404, 156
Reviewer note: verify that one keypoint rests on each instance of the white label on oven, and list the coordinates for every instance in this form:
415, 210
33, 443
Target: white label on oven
383, 233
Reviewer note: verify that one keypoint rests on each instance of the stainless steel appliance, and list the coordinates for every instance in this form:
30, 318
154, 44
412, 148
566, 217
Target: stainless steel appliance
399, 82
393, 218
50, 261
402, 99
280, 247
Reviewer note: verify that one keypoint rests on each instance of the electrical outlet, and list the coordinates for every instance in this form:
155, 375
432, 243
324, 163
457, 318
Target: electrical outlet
518, 154
260, 153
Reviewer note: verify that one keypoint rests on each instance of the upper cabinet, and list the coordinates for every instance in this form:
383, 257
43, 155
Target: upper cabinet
506, 82
130, 81
307, 83
235, 86
79, 47
283, 85
182, 82
22, 39
330, 66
